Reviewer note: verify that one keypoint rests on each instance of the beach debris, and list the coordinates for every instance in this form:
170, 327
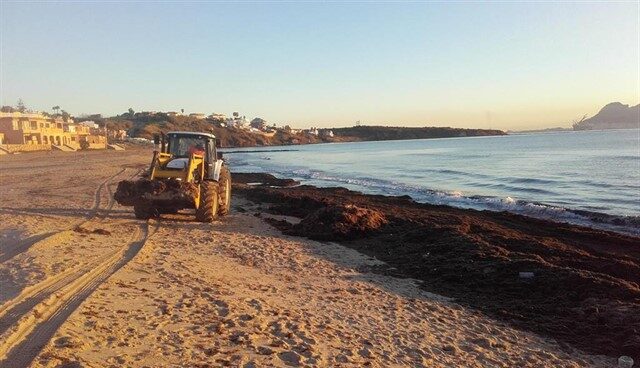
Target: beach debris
625, 362
526, 275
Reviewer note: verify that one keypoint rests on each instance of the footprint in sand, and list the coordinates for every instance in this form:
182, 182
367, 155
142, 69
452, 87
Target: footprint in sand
290, 358
223, 308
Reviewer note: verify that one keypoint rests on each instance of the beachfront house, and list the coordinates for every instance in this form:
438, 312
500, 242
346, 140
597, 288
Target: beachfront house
43, 132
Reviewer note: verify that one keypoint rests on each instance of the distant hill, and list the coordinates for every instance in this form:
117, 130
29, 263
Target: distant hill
613, 116
385, 133
145, 126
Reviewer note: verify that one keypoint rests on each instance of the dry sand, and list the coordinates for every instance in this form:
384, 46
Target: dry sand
86, 284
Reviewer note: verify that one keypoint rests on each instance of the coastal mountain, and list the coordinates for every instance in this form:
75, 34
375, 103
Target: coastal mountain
613, 116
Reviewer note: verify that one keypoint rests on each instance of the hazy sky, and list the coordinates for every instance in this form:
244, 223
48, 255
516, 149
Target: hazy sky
496, 65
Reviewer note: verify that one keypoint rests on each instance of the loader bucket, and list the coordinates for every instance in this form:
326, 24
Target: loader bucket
156, 193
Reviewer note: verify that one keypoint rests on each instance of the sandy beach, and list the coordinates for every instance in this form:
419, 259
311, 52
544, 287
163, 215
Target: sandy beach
85, 284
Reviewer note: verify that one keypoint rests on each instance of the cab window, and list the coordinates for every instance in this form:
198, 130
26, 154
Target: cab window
185, 146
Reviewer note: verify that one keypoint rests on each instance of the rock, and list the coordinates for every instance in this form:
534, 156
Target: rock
526, 275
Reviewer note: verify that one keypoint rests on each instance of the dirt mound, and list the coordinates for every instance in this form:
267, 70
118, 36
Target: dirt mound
585, 288
340, 222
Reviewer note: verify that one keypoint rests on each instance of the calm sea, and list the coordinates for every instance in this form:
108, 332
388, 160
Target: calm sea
590, 178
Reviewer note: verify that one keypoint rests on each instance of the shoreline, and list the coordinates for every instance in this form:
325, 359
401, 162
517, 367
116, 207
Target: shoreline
547, 180
584, 291
617, 223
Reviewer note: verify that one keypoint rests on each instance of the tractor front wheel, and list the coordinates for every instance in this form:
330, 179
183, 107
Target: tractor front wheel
208, 208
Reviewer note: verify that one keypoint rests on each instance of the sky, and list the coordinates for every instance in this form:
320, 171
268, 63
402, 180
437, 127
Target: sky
505, 65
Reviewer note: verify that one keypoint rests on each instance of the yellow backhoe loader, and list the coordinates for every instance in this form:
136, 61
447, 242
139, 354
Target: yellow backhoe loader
186, 172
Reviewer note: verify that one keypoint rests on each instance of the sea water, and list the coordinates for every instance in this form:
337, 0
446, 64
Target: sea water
590, 178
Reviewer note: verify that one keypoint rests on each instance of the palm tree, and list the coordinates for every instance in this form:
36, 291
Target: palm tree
56, 109
21, 106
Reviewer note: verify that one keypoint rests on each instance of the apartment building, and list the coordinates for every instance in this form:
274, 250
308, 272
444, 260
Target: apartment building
36, 129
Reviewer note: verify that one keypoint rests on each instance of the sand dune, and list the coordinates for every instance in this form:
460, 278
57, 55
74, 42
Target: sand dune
86, 284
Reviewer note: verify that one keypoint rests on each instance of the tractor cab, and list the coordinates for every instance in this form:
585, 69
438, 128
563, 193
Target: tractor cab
177, 151
183, 144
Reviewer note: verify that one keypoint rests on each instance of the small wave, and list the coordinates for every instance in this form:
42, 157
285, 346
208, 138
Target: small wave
530, 181
511, 188
625, 157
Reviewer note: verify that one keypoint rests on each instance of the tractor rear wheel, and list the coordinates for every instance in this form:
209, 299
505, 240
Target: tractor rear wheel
224, 188
143, 212
208, 208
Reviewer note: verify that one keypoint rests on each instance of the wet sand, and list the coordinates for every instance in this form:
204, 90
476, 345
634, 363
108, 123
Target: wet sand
86, 284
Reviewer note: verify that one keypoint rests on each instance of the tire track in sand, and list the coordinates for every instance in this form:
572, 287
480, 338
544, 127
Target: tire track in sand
11, 250
111, 201
13, 309
20, 345
98, 195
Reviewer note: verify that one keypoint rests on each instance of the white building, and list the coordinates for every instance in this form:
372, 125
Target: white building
238, 122
89, 123
216, 116
326, 133
197, 115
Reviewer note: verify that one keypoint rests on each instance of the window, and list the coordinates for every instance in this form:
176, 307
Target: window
34, 125
184, 146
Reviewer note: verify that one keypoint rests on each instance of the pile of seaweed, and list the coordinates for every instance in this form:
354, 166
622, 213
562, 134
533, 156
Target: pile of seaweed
132, 192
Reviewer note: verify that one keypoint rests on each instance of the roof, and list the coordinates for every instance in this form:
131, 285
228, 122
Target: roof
194, 133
